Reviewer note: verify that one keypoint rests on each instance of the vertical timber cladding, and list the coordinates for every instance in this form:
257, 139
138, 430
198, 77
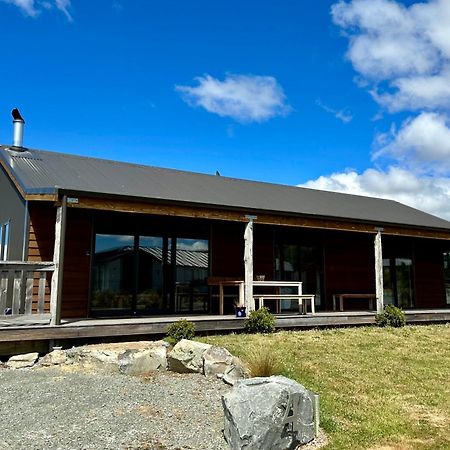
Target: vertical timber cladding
76, 278
349, 266
41, 242
429, 279
77, 264
227, 249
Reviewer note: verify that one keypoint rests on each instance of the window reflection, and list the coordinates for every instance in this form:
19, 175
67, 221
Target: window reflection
112, 273
150, 274
192, 262
137, 274
398, 282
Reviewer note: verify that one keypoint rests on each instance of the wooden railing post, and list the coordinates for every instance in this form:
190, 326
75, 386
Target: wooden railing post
379, 292
58, 260
248, 262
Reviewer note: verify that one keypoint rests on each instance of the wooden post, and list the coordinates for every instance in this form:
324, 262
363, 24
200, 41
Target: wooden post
249, 301
58, 260
379, 271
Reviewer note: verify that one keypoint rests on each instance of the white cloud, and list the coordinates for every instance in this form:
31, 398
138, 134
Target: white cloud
404, 52
402, 56
26, 6
33, 8
244, 98
343, 115
430, 194
414, 93
64, 6
422, 143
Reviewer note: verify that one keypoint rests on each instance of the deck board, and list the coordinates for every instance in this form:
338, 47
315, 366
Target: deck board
153, 326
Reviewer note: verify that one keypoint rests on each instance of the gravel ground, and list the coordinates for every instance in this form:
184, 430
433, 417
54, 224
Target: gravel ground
60, 409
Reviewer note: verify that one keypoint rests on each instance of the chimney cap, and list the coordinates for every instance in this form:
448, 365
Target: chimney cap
16, 115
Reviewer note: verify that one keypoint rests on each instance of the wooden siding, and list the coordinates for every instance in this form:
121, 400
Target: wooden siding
429, 276
77, 265
41, 241
263, 254
349, 267
75, 292
227, 250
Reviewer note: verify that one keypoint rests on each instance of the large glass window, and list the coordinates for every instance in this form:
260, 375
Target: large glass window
4, 241
112, 280
294, 262
138, 275
191, 275
398, 282
151, 263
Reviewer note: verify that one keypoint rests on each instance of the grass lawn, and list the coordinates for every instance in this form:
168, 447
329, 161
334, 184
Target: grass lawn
380, 388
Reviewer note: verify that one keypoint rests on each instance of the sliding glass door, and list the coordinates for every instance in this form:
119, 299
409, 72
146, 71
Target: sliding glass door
398, 282
152, 259
138, 275
191, 272
112, 274
295, 262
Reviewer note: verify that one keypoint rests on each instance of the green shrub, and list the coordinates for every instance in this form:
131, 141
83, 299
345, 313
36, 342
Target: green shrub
391, 317
260, 321
182, 329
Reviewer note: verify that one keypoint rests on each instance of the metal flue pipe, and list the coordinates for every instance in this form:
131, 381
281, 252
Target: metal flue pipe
18, 126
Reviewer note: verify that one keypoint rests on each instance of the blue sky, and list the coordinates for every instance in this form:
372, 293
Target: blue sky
290, 92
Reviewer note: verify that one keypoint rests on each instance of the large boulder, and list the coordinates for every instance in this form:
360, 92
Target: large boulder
187, 356
22, 361
217, 361
237, 371
273, 413
55, 357
138, 362
132, 358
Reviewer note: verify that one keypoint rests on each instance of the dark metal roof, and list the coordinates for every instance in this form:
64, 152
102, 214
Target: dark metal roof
42, 172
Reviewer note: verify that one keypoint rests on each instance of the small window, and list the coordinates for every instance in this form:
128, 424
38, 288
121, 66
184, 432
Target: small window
4, 241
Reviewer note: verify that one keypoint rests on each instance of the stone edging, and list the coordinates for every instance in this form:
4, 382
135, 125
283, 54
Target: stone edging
137, 358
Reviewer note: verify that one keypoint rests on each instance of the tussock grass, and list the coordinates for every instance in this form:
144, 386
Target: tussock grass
262, 363
381, 388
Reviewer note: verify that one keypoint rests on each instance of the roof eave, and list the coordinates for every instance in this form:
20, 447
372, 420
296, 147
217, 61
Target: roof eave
376, 224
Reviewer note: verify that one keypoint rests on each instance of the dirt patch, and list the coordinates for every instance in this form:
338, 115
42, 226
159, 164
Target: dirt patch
426, 414
410, 444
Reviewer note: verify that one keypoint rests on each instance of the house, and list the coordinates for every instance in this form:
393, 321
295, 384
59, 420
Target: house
85, 237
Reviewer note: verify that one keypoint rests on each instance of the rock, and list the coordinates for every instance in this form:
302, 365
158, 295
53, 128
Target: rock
217, 360
187, 356
138, 362
105, 359
21, 361
273, 413
235, 372
132, 358
56, 357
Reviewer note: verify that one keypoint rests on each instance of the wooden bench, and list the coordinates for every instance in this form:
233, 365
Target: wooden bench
302, 307
341, 297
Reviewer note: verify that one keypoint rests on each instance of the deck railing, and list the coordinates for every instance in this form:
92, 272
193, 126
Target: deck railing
23, 287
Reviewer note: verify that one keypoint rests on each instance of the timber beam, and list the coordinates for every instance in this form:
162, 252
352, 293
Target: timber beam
233, 215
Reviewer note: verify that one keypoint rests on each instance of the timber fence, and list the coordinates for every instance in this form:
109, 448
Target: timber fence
25, 287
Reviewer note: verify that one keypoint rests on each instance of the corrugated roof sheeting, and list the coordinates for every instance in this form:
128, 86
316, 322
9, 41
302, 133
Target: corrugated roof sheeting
42, 171
185, 258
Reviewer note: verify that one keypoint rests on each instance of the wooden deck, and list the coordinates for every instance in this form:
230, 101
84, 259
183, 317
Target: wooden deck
39, 335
